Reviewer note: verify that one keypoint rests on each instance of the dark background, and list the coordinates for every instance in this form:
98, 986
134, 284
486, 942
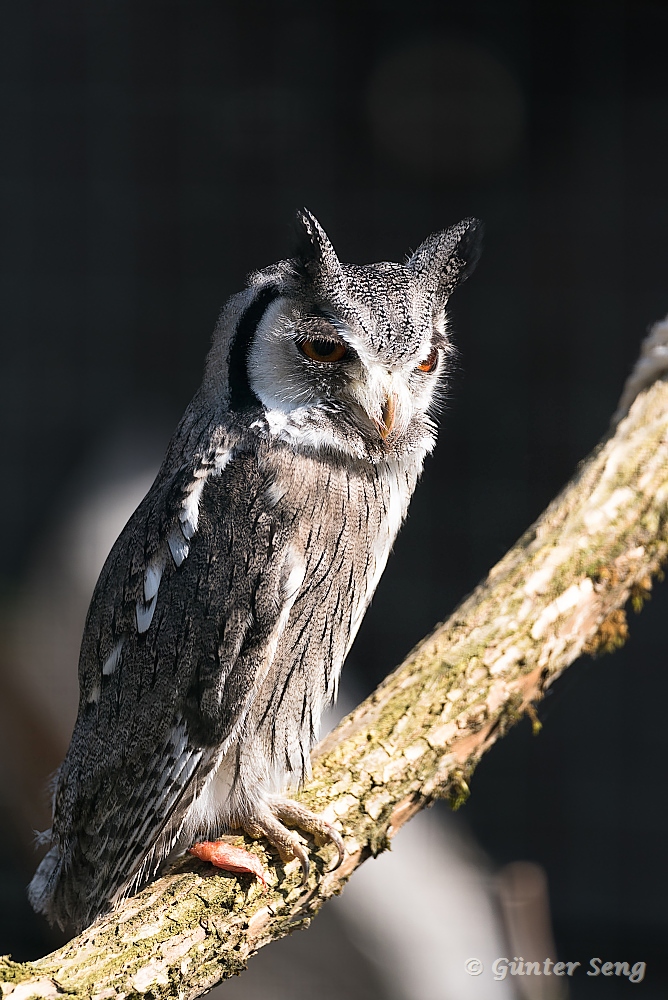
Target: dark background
154, 153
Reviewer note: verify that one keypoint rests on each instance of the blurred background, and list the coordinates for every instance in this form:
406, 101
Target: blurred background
152, 154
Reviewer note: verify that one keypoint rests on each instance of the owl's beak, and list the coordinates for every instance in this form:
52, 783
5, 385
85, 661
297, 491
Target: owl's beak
389, 413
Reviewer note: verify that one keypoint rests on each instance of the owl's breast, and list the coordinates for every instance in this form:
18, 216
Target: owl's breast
344, 522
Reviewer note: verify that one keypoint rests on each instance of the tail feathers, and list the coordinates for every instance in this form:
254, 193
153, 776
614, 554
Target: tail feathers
42, 888
72, 889
62, 899
85, 875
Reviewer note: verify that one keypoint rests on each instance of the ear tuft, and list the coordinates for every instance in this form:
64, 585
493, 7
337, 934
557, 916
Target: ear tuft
314, 252
446, 259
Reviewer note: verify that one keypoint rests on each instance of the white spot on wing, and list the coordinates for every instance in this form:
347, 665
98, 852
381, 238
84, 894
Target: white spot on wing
152, 577
178, 546
145, 608
189, 513
145, 613
112, 660
94, 696
222, 459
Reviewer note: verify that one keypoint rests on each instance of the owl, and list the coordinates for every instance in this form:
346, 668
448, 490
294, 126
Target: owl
220, 622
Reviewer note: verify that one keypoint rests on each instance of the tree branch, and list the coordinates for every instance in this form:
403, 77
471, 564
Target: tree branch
559, 592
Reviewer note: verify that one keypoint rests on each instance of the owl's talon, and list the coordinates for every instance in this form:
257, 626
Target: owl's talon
271, 824
302, 854
337, 840
298, 815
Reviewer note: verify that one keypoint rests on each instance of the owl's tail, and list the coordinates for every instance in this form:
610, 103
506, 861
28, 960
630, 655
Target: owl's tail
41, 890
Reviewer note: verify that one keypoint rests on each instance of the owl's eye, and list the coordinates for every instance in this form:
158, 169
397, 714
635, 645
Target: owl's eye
328, 351
430, 362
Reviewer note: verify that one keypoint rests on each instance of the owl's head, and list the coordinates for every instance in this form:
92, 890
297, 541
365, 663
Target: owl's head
340, 357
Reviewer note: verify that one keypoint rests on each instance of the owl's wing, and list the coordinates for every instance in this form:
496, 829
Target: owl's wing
178, 639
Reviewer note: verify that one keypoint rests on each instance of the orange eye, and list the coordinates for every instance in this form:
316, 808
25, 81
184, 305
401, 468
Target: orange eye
430, 362
328, 351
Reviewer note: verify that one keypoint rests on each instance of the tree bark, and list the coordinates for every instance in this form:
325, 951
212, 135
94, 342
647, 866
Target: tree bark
559, 592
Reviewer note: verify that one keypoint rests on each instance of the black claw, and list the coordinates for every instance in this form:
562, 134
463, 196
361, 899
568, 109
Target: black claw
304, 861
335, 838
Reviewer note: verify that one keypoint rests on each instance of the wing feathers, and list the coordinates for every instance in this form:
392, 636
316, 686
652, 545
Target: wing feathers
177, 646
